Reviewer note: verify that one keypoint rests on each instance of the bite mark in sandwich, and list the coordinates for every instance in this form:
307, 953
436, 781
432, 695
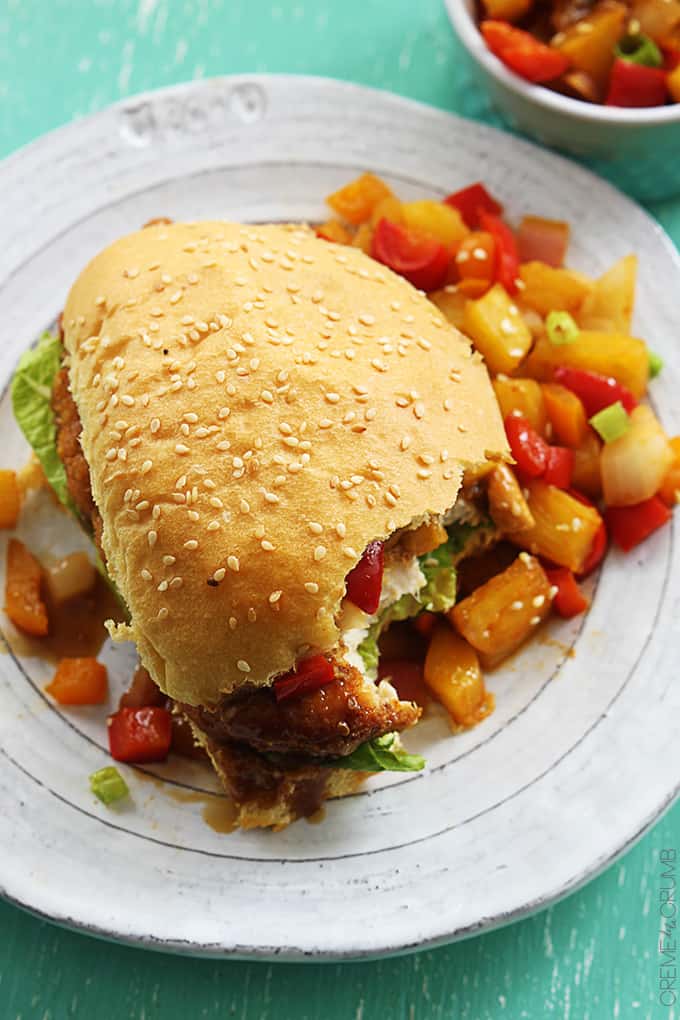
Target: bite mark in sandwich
267, 434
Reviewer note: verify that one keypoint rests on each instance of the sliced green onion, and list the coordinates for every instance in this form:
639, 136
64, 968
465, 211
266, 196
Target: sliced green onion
611, 422
639, 49
108, 785
561, 328
655, 364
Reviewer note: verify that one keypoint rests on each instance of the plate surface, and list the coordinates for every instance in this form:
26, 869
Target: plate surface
581, 753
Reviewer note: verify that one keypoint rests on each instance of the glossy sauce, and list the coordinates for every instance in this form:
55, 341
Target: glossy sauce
219, 811
76, 627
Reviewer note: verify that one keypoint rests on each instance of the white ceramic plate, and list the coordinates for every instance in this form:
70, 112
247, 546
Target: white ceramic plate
581, 753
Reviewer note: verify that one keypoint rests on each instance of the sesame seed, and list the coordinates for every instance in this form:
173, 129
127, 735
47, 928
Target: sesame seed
163, 586
517, 605
152, 537
193, 515
332, 398
162, 613
243, 666
419, 410
191, 544
214, 526
319, 552
181, 449
146, 574
351, 553
325, 423
538, 601
176, 582
168, 560
367, 320
553, 591
315, 527
233, 563
423, 473
312, 587
275, 596
267, 545
271, 497
525, 558
220, 574
535, 620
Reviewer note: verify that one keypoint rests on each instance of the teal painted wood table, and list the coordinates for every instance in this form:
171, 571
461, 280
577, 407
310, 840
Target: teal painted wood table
594, 956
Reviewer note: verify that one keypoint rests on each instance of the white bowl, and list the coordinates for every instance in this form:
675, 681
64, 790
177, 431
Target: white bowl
638, 149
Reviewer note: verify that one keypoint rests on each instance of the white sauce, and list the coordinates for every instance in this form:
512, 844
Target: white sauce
403, 577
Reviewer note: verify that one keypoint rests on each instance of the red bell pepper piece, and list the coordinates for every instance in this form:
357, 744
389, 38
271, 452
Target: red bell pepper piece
311, 673
471, 201
595, 391
507, 258
630, 525
407, 679
635, 85
560, 466
528, 448
423, 261
140, 734
671, 58
424, 624
569, 600
523, 53
600, 541
364, 582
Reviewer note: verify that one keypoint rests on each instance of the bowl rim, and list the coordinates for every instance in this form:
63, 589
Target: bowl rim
461, 16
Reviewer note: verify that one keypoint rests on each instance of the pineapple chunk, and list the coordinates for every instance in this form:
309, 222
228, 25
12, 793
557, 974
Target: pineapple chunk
497, 329
564, 528
609, 306
435, 219
453, 675
524, 396
552, 290
505, 611
624, 357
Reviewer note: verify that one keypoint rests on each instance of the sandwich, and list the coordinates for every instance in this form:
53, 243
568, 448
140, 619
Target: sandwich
266, 436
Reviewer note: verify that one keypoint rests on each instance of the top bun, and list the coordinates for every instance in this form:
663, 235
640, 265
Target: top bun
257, 406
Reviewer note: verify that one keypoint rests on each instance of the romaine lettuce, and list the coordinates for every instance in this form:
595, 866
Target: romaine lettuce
32, 405
383, 754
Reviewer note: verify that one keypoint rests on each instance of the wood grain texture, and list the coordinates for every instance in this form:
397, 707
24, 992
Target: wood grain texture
590, 958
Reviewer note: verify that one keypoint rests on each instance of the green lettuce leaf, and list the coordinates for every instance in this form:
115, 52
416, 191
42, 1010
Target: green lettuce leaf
383, 754
368, 649
32, 405
439, 566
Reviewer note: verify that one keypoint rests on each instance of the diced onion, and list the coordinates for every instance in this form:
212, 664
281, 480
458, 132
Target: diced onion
634, 466
73, 575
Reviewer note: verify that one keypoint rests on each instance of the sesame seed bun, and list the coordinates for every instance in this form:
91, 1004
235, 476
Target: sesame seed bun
257, 406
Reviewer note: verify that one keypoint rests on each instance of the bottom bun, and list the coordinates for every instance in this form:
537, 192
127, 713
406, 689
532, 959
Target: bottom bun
267, 795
